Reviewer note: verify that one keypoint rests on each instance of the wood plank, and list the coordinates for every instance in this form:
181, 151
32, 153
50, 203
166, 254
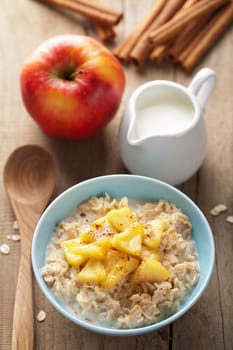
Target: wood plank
210, 318
25, 24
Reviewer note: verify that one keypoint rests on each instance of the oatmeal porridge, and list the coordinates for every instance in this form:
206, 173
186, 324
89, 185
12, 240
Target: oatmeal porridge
122, 263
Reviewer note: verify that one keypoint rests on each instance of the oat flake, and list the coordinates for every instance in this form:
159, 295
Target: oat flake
218, 209
41, 316
15, 225
230, 219
15, 237
4, 249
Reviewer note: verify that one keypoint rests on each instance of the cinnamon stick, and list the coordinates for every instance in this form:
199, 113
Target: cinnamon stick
187, 34
104, 32
123, 50
142, 49
160, 52
207, 37
185, 37
170, 29
96, 12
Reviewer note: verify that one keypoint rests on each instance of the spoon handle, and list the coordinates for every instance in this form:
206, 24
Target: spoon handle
23, 317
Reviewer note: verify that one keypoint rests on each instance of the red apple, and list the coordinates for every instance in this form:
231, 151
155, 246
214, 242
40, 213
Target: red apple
72, 86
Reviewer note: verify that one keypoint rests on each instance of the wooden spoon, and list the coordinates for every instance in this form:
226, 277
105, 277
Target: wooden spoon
29, 178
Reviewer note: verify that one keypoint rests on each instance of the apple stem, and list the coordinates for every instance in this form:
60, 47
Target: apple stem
75, 74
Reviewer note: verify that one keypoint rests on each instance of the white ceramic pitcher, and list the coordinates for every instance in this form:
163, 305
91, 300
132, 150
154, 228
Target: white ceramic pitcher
162, 132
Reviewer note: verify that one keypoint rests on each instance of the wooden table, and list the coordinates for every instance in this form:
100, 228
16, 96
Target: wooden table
209, 324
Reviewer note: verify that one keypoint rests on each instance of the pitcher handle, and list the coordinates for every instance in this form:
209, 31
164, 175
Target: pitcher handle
202, 85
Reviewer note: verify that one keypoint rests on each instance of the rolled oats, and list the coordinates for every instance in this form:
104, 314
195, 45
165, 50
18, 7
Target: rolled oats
4, 249
218, 209
41, 316
230, 219
15, 225
16, 237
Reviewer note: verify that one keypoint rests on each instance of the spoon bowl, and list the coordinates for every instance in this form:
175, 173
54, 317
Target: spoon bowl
29, 179
29, 175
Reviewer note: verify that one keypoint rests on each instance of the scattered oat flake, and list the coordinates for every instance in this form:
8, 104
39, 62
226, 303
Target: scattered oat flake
230, 219
16, 237
4, 249
15, 225
41, 316
218, 209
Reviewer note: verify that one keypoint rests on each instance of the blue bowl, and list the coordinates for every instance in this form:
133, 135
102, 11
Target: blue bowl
134, 187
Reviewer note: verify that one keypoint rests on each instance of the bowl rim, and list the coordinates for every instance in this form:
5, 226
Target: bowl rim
115, 331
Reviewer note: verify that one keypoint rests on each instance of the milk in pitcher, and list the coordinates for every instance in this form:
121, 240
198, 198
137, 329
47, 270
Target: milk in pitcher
163, 115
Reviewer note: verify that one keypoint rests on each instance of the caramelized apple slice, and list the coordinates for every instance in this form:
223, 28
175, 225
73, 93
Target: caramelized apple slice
151, 270
120, 219
130, 240
153, 233
151, 253
74, 259
117, 266
93, 271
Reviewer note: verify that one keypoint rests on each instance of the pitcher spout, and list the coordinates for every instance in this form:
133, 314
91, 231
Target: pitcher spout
133, 138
